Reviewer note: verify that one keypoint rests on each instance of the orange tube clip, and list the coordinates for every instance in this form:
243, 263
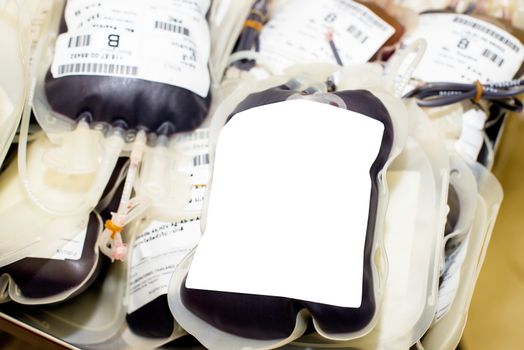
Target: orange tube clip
479, 91
111, 226
253, 24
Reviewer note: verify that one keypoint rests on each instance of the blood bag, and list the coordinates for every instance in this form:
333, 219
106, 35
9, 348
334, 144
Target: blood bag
418, 180
143, 68
284, 318
447, 332
48, 244
167, 232
34, 279
136, 75
290, 32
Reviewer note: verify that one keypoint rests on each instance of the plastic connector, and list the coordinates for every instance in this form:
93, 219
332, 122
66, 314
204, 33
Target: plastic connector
470, 141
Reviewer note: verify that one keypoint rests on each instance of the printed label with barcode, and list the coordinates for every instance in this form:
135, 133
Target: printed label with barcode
467, 49
79, 41
199, 134
192, 149
493, 57
486, 28
160, 41
297, 33
358, 34
171, 27
95, 68
201, 159
195, 142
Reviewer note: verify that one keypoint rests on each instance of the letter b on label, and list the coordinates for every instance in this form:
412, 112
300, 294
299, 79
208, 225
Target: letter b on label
463, 44
113, 40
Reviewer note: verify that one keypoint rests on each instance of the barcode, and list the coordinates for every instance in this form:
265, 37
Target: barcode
200, 134
488, 31
170, 27
201, 159
493, 57
357, 34
79, 41
98, 68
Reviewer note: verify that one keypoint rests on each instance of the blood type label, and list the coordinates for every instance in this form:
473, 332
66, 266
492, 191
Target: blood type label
165, 41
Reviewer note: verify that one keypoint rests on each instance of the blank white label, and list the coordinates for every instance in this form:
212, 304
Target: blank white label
289, 204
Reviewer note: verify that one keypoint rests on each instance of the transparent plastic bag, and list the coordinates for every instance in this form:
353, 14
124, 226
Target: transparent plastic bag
42, 231
447, 332
47, 244
14, 82
93, 317
173, 178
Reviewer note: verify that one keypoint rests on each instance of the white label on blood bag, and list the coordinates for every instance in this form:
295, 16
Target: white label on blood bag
195, 164
155, 254
297, 33
465, 49
192, 140
71, 248
199, 181
165, 41
450, 279
290, 218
